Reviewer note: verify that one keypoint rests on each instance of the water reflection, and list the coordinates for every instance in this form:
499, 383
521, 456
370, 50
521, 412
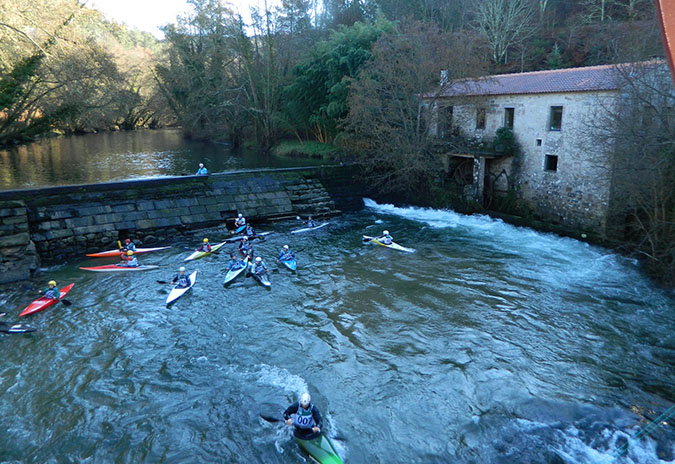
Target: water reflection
122, 155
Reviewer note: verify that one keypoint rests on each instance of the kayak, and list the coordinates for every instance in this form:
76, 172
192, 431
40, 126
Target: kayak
261, 236
307, 229
263, 279
44, 303
394, 246
115, 253
177, 291
201, 254
16, 328
231, 274
240, 229
320, 449
289, 263
118, 268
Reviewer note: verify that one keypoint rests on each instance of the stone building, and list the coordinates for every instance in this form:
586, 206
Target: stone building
563, 170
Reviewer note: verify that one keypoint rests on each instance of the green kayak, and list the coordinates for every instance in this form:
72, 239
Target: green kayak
320, 450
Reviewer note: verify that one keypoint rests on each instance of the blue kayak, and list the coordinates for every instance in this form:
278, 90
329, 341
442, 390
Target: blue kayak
240, 229
290, 263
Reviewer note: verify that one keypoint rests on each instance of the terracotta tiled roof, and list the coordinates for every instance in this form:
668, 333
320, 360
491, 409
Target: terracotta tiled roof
591, 78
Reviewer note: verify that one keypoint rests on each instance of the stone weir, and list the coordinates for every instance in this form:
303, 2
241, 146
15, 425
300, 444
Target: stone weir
56, 223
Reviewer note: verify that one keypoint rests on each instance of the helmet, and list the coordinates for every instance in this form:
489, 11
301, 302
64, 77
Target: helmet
52, 282
129, 253
305, 399
239, 215
244, 238
285, 247
127, 240
258, 259
181, 269
386, 232
206, 240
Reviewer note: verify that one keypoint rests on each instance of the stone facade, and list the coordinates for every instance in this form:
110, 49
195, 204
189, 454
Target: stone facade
60, 222
562, 174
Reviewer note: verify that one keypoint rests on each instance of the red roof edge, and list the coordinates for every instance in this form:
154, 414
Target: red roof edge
666, 11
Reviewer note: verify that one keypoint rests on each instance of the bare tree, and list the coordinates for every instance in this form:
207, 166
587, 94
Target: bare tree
640, 125
505, 24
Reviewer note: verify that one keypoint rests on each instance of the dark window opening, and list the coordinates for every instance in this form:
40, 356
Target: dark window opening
508, 117
556, 118
539, 142
551, 163
445, 121
480, 118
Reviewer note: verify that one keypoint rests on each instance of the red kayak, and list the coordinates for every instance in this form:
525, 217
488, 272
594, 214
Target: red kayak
44, 303
116, 253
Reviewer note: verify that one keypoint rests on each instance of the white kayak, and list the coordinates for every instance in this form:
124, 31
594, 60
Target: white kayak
229, 277
260, 236
307, 229
177, 291
201, 254
263, 279
394, 245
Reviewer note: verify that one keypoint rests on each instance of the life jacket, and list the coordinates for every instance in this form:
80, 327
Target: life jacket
182, 280
303, 418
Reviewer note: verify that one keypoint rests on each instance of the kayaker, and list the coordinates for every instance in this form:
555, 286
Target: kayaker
310, 222
245, 247
52, 291
202, 170
259, 267
234, 263
386, 238
129, 245
180, 279
249, 230
206, 247
305, 417
240, 221
285, 254
129, 259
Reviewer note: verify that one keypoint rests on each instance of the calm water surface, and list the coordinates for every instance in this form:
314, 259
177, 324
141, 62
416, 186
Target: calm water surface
109, 156
490, 344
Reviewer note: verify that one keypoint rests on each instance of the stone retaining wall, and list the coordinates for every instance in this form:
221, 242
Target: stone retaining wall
62, 222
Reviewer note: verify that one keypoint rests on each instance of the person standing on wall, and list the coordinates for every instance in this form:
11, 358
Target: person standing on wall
202, 170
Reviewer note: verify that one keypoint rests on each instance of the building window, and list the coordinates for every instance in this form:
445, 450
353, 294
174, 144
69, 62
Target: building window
551, 163
556, 118
445, 121
539, 142
508, 117
480, 118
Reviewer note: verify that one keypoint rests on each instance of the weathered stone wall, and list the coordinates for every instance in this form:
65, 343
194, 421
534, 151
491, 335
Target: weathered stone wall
18, 256
577, 193
61, 222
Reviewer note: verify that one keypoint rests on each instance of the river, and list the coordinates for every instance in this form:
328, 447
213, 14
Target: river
110, 156
490, 344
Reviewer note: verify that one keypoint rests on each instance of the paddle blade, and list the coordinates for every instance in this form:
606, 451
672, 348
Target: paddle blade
162, 282
65, 302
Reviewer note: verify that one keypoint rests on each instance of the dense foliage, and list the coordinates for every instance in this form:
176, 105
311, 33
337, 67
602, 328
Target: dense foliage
63, 68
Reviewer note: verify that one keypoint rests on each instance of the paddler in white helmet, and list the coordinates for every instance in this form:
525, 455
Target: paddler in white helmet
305, 417
51, 291
385, 238
259, 268
285, 254
245, 247
240, 221
181, 279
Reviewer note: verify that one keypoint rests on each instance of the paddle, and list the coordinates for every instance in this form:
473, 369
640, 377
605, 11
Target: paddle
162, 282
271, 418
65, 302
3, 314
367, 239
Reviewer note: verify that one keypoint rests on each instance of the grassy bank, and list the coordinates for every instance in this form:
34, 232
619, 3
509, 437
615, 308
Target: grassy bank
309, 149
